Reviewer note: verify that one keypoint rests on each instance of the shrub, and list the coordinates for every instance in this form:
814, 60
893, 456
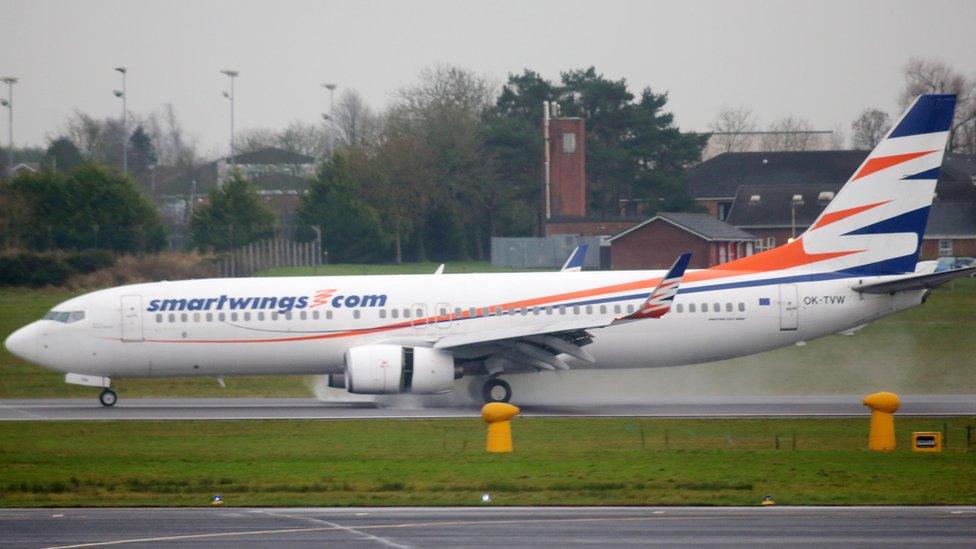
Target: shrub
88, 261
30, 269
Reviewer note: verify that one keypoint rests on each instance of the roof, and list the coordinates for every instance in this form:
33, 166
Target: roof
948, 219
721, 176
775, 205
272, 156
703, 225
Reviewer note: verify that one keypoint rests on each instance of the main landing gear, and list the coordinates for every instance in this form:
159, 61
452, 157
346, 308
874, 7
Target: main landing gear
108, 397
496, 390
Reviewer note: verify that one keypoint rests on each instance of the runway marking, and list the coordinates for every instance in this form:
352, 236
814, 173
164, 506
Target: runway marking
364, 535
490, 522
21, 411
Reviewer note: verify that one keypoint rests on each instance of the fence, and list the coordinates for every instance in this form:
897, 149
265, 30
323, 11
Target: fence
542, 252
269, 254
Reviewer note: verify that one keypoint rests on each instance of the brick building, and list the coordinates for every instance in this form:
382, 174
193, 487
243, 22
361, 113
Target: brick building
658, 241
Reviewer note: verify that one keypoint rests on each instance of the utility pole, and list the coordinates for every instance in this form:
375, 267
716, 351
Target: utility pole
232, 75
9, 103
122, 94
329, 118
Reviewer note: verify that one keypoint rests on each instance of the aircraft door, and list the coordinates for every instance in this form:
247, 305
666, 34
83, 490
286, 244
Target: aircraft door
789, 307
444, 316
132, 318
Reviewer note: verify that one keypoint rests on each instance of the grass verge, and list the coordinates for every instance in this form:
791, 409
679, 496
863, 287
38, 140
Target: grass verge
442, 462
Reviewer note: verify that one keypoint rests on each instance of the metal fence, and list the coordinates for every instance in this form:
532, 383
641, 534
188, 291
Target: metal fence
543, 252
269, 254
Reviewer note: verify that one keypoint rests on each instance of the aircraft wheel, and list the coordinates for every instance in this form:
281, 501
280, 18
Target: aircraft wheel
108, 397
496, 390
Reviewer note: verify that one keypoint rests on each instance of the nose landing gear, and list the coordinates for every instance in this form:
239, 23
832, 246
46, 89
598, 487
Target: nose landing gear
496, 390
108, 397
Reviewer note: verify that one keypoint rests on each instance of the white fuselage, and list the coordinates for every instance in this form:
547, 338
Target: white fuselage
218, 327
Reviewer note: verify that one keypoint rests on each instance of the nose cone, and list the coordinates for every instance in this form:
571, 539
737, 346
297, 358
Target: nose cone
23, 343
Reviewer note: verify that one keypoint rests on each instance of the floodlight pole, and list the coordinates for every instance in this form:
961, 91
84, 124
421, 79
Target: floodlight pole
232, 75
330, 119
125, 121
9, 103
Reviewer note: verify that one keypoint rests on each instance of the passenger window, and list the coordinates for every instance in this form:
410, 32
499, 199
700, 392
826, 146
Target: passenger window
630, 308
589, 309
247, 317
328, 315
233, 317
471, 312
576, 310
616, 309
159, 317
220, 317
209, 317
691, 307
315, 315
406, 313
742, 307
457, 312
382, 313
304, 315
395, 313
728, 307
172, 317
562, 309
261, 315
183, 317
356, 314
603, 309
717, 307
680, 308
420, 313
274, 316
196, 317
443, 311
704, 307
288, 315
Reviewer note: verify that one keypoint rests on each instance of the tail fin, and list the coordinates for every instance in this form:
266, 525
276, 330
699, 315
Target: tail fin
574, 263
875, 224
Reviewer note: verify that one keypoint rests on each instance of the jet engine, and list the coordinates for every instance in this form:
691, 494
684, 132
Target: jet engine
391, 369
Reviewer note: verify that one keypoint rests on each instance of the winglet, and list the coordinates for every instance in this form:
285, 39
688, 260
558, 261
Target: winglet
659, 302
440, 269
575, 262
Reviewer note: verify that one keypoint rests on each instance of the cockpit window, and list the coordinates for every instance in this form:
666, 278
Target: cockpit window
66, 317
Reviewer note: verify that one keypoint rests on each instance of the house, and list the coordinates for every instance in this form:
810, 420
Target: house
658, 241
777, 195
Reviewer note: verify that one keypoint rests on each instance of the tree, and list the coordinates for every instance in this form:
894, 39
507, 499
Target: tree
356, 124
63, 155
142, 153
351, 229
92, 207
933, 76
869, 128
788, 134
234, 216
732, 129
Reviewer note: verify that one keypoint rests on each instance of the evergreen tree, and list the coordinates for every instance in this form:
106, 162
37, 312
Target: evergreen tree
63, 155
233, 217
142, 154
351, 229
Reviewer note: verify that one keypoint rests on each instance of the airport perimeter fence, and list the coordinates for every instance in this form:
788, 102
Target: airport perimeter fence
270, 253
543, 252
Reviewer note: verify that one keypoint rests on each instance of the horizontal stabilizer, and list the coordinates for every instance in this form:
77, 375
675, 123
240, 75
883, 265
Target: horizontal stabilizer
915, 282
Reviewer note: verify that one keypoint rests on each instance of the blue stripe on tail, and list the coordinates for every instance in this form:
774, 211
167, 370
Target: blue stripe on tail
931, 113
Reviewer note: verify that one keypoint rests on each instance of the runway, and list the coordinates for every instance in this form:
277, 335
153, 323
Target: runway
489, 527
309, 408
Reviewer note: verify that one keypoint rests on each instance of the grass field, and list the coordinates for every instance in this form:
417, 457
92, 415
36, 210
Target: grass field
442, 462
930, 349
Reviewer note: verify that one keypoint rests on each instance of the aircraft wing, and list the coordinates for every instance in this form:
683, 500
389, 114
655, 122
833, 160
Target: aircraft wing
540, 345
574, 263
915, 282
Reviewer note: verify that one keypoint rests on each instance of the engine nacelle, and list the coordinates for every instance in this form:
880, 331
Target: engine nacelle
391, 369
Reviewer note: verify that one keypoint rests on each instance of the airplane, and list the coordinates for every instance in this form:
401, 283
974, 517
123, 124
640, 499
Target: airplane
857, 263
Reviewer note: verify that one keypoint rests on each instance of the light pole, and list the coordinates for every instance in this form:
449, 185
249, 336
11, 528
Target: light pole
121, 94
796, 201
230, 96
328, 117
9, 103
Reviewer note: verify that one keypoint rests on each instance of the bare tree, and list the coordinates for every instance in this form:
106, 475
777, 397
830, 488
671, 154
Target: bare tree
838, 138
869, 128
788, 134
934, 76
356, 124
732, 129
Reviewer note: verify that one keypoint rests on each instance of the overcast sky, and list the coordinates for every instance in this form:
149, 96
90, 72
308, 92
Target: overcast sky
820, 60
